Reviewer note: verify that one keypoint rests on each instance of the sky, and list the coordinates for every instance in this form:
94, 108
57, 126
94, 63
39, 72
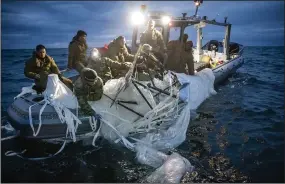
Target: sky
25, 24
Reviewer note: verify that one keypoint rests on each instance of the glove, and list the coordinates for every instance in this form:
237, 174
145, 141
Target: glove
140, 57
127, 65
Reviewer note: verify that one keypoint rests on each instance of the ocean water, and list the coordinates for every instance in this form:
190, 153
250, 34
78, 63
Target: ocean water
238, 135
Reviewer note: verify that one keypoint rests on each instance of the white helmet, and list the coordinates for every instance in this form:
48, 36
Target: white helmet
146, 48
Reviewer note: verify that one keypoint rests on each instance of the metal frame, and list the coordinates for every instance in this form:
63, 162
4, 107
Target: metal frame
182, 23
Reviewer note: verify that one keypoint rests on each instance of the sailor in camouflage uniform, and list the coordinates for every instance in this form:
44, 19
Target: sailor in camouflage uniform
154, 38
148, 66
39, 66
88, 87
77, 51
117, 51
106, 67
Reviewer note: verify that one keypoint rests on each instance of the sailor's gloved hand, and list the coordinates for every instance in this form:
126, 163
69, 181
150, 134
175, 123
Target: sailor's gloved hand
140, 57
37, 76
127, 65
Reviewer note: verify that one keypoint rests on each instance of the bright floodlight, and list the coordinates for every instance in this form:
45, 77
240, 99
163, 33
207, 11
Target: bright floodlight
197, 3
137, 18
166, 20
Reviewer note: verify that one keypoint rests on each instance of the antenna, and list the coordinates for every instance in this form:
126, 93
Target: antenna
197, 4
226, 19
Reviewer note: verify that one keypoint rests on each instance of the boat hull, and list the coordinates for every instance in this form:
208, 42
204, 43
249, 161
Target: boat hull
52, 127
223, 71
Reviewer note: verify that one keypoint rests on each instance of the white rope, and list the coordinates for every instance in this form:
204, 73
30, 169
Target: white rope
12, 153
26, 90
67, 118
18, 154
31, 117
11, 137
40, 117
7, 127
96, 135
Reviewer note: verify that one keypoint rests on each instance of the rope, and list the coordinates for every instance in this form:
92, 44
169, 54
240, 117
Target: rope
30, 116
11, 137
18, 154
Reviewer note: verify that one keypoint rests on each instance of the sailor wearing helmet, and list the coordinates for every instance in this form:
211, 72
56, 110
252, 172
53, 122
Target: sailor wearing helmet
88, 87
106, 67
148, 66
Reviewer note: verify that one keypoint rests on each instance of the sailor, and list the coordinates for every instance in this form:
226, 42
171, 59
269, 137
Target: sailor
88, 87
118, 52
39, 66
179, 56
105, 67
148, 66
154, 38
189, 58
77, 51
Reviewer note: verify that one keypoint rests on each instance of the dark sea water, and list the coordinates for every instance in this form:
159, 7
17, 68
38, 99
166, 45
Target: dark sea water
237, 137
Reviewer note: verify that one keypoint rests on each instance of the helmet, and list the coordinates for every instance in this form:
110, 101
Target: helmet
88, 76
146, 49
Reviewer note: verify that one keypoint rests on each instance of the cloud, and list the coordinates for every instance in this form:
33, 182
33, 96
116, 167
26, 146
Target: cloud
55, 22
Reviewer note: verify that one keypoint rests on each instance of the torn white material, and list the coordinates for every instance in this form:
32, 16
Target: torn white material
25, 90
152, 139
172, 171
58, 95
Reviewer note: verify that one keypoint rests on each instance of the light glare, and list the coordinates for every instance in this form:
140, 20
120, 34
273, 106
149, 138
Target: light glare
166, 20
137, 18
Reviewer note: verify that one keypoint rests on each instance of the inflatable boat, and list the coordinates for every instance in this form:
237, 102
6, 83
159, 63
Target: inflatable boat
223, 58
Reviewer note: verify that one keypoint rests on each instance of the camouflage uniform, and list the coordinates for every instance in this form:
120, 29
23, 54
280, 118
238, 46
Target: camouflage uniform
77, 54
88, 91
43, 67
117, 53
121, 55
154, 39
106, 67
179, 55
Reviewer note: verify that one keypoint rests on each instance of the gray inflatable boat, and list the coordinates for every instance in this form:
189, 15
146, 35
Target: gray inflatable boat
18, 117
